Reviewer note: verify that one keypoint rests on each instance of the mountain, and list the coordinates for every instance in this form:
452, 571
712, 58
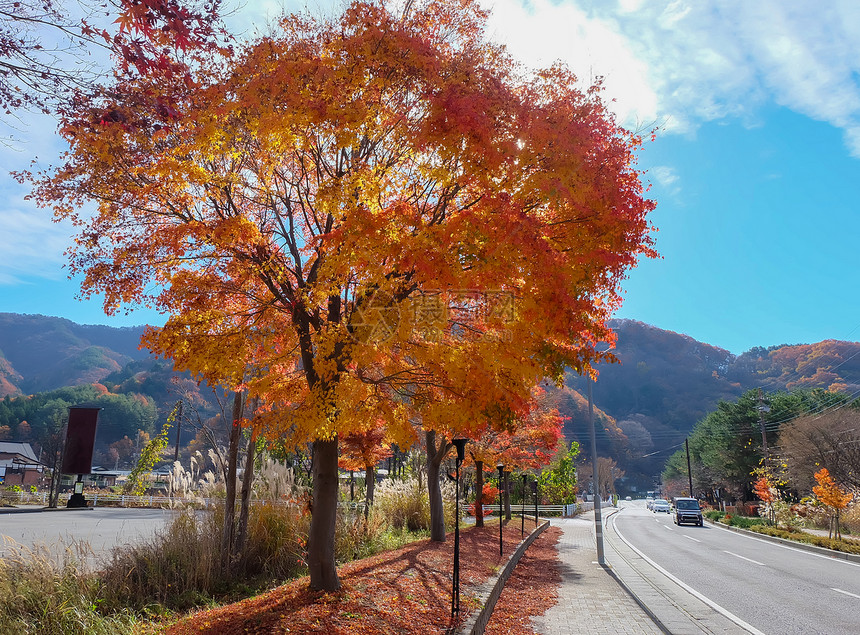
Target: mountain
645, 404
665, 382
39, 353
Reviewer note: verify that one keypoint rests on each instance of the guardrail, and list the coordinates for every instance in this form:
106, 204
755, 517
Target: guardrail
127, 500
543, 510
96, 498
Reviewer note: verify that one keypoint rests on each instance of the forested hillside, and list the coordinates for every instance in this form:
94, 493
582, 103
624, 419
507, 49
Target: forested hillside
48, 364
665, 383
39, 353
646, 403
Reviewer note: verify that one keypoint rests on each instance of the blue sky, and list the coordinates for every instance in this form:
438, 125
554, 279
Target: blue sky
755, 168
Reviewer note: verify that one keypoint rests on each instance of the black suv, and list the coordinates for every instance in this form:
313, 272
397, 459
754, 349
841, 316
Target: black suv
687, 510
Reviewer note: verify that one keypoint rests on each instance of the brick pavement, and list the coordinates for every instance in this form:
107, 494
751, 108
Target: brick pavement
590, 599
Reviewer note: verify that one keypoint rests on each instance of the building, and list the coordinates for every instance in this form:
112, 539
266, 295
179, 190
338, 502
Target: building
19, 464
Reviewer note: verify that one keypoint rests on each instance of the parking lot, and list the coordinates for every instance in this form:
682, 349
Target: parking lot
98, 530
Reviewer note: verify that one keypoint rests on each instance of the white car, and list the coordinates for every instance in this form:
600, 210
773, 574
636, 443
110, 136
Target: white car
648, 502
660, 505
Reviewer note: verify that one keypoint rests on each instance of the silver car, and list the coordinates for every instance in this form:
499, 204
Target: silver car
660, 505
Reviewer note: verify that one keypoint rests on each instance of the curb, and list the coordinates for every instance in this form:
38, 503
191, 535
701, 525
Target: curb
489, 592
608, 568
18, 510
803, 546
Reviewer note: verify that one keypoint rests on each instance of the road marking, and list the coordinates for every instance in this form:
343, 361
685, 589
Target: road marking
690, 537
792, 548
664, 526
737, 555
719, 609
853, 595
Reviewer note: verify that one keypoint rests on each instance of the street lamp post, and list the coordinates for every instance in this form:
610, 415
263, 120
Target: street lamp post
523, 509
460, 444
501, 469
598, 524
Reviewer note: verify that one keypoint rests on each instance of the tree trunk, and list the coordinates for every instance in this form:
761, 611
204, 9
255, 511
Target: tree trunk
507, 495
479, 498
369, 485
245, 505
228, 531
321, 557
435, 457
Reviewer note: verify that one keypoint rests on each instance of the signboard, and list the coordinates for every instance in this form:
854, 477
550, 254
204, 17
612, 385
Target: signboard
80, 439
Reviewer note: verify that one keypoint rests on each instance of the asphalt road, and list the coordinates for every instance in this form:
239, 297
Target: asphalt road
775, 589
99, 530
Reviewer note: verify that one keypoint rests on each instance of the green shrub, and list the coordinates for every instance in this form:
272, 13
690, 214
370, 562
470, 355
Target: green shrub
714, 514
744, 522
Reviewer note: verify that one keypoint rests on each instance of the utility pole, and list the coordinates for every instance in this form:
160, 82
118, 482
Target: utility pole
762, 408
689, 471
598, 523
178, 430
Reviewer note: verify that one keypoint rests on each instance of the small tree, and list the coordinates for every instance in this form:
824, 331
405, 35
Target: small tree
830, 494
767, 494
558, 483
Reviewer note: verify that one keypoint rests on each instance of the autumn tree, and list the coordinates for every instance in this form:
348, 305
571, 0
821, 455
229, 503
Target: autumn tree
830, 494
828, 437
767, 494
300, 205
363, 450
726, 445
528, 442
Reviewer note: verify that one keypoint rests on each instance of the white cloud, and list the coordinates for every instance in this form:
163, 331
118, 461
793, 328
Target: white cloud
543, 32
683, 62
674, 62
33, 245
667, 177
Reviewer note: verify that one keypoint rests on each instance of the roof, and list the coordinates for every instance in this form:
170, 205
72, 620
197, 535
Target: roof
20, 448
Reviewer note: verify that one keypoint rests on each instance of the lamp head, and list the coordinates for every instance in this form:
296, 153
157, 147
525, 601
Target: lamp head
460, 444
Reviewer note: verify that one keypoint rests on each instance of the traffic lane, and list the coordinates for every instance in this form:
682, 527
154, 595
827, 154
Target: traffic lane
100, 529
776, 589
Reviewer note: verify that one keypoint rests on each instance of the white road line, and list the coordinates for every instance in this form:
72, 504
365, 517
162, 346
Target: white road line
794, 549
853, 595
664, 526
719, 609
690, 537
737, 555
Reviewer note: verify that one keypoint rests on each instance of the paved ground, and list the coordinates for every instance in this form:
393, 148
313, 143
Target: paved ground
590, 599
97, 530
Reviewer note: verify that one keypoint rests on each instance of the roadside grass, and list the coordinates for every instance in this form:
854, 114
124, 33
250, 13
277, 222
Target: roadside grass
41, 594
759, 525
139, 587
845, 545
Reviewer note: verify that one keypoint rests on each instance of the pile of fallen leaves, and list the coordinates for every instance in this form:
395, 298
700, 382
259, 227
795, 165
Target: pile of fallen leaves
403, 591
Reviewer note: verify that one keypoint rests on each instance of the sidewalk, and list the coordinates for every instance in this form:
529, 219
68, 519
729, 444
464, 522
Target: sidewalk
590, 600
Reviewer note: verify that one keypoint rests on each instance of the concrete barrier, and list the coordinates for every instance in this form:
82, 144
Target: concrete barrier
489, 592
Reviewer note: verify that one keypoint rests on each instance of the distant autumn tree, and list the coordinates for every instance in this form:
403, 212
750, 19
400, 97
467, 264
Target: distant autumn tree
374, 217
830, 494
363, 450
829, 438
